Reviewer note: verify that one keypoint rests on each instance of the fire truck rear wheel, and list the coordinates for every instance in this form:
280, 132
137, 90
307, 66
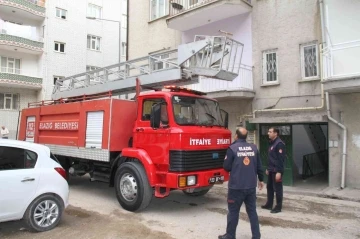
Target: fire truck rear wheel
132, 187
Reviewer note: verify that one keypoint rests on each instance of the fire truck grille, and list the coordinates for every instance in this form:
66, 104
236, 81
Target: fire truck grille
185, 161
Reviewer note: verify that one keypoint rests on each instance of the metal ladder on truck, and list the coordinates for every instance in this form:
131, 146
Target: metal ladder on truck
209, 56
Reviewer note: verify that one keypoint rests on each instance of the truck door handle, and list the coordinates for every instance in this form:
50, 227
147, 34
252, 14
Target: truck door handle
139, 129
27, 180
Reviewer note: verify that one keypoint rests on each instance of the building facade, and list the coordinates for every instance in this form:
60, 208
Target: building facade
293, 57
41, 41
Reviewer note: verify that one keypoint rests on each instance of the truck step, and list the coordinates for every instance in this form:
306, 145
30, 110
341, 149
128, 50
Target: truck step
100, 176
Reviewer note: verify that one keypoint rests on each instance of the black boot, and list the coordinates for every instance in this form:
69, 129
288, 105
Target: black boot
266, 206
276, 209
225, 236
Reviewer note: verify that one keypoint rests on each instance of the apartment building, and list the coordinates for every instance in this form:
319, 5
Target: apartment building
295, 52
41, 41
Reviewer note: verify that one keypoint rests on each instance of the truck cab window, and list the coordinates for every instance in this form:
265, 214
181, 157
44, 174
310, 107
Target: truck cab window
147, 105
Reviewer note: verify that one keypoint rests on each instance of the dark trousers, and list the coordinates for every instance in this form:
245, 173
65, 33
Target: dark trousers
235, 200
273, 186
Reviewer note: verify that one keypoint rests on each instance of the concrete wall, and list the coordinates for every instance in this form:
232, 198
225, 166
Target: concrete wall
343, 110
145, 36
284, 25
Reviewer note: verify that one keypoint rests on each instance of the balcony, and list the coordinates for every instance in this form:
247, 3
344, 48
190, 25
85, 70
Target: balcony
240, 88
23, 9
12, 77
189, 14
22, 38
341, 67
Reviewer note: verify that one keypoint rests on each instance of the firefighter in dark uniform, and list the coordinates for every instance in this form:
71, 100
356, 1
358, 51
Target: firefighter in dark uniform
275, 171
243, 162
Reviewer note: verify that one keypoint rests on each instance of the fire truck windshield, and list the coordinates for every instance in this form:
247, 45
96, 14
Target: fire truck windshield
196, 111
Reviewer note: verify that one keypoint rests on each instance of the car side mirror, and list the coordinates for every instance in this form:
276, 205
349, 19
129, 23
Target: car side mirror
155, 116
225, 116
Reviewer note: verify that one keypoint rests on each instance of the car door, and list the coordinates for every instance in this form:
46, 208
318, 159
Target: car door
18, 181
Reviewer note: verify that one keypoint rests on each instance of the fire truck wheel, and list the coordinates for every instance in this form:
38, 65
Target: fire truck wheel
132, 187
197, 193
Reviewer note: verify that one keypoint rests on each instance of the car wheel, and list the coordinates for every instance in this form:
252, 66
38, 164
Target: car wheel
132, 187
44, 213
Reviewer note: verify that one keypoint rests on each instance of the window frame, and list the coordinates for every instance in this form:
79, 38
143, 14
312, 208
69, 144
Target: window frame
265, 80
157, 8
61, 11
97, 38
16, 71
94, 7
12, 99
302, 60
59, 47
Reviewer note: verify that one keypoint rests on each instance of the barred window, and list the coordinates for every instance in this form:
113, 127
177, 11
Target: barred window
270, 67
309, 61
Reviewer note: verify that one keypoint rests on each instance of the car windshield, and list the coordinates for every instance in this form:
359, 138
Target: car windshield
196, 111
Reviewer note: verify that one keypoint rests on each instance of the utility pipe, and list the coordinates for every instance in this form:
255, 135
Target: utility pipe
343, 161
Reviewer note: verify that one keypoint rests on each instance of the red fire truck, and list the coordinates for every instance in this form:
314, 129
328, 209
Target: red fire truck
162, 140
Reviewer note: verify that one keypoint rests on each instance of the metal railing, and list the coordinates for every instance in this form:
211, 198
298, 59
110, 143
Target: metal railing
10, 70
341, 60
243, 82
23, 34
133, 68
181, 6
314, 164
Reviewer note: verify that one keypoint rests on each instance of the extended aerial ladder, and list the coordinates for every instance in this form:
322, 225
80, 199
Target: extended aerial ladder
209, 56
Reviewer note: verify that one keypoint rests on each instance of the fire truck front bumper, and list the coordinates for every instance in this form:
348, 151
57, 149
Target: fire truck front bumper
196, 179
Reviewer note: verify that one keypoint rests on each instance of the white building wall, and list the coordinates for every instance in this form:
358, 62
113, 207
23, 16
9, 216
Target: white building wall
73, 31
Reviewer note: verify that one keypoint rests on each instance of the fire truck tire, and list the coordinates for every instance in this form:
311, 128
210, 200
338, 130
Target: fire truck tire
197, 193
132, 187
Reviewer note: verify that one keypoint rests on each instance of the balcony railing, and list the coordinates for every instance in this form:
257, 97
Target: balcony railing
17, 75
341, 60
180, 6
35, 43
34, 6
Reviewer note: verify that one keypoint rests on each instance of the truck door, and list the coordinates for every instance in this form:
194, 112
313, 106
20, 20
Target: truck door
154, 141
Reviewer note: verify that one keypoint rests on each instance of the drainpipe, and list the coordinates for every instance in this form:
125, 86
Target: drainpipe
343, 161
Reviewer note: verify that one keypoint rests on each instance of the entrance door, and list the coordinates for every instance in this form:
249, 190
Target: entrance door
286, 137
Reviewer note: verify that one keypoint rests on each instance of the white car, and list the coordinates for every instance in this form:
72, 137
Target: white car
33, 185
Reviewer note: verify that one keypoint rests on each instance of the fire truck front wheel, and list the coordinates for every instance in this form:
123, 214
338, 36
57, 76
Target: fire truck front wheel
132, 187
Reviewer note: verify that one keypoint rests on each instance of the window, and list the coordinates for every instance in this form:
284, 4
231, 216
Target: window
9, 101
57, 78
123, 48
93, 76
91, 68
59, 47
270, 67
94, 11
158, 8
309, 58
93, 43
193, 3
61, 13
12, 158
147, 105
10, 65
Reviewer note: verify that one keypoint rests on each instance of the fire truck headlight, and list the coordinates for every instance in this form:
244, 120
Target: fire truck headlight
191, 180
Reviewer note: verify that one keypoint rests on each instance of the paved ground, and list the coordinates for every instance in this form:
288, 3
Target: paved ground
95, 213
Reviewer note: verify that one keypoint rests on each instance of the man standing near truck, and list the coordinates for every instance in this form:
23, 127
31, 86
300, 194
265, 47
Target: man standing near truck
243, 162
4, 132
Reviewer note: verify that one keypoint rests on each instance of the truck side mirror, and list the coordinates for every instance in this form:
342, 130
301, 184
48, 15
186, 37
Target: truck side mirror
155, 116
225, 116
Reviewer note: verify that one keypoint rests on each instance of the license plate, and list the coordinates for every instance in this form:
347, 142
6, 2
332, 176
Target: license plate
216, 179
